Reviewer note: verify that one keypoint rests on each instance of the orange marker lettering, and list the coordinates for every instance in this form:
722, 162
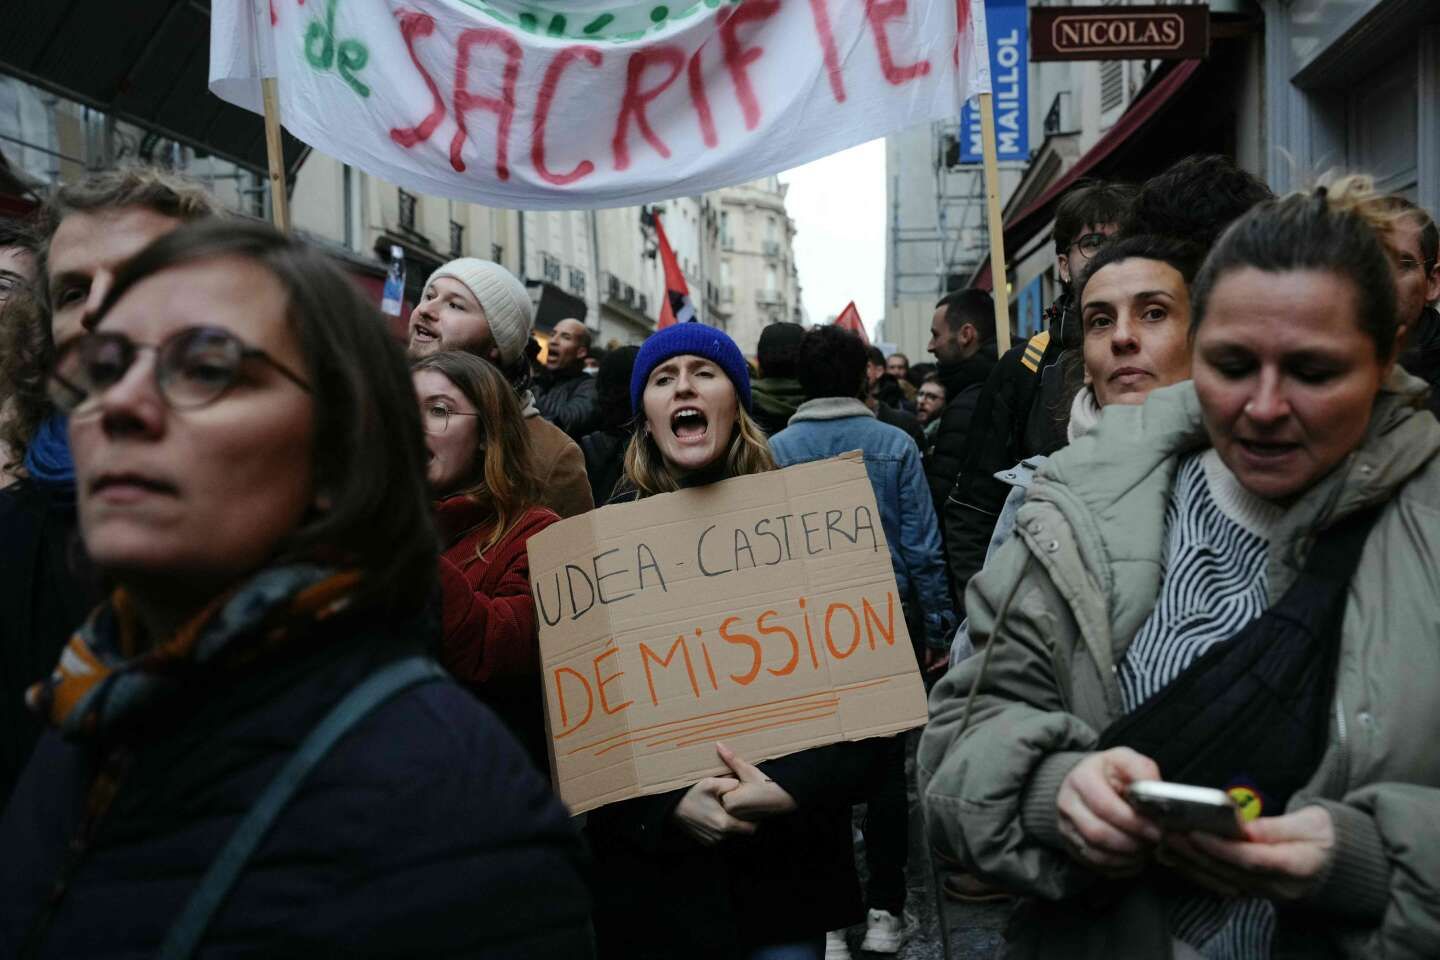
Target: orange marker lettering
605, 703
830, 639
646, 655
742, 639
565, 728
887, 630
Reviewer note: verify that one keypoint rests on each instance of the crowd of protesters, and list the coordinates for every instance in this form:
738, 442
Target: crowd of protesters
269, 657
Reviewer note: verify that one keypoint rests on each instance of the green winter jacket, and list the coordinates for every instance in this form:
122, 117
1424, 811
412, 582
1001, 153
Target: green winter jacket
1085, 567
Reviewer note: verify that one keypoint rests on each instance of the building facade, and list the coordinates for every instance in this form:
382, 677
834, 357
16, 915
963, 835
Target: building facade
1354, 84
592, 265
758, 280
1119, 119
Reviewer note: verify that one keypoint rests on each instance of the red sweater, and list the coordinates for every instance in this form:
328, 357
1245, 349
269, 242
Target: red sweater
489, 639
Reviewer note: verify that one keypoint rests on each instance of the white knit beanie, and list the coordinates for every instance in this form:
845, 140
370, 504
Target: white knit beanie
503, 298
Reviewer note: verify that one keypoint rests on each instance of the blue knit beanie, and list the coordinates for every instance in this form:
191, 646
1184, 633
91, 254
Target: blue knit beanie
693, 339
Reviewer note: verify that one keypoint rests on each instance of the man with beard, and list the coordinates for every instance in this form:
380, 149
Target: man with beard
480, 307
962, 338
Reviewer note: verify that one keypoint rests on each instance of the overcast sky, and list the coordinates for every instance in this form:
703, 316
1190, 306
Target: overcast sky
838, 204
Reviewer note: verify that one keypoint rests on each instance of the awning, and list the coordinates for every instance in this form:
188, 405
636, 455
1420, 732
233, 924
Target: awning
1132, 133
145, 62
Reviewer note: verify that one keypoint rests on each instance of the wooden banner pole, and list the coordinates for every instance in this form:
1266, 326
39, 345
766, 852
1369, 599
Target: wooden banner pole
274, 150
994, 224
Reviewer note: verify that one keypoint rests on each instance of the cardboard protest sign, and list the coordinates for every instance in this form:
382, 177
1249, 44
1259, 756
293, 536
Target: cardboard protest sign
761, 611
558, 104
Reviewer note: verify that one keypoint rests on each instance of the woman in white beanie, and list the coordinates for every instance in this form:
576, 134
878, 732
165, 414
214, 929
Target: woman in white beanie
479, 307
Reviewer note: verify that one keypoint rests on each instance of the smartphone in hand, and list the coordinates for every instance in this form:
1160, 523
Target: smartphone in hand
1181, 808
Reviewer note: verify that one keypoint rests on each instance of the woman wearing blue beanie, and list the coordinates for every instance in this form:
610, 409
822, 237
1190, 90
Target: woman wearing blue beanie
755, 864
690, 393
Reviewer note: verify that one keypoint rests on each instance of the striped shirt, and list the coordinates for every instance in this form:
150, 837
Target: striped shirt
1213, 583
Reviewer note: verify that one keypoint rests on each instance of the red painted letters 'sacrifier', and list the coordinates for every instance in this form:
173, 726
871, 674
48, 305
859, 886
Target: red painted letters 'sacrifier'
962, 23
738, 57
636, 100
413, 26
701, 99
820, 10
542, 113
877, 12
503, 106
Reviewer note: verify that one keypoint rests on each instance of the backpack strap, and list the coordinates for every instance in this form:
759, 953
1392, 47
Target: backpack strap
1035, 351
188, 929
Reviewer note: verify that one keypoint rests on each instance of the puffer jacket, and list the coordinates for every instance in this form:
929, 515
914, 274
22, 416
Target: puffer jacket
1086, 567
834, 425
568, 401
963, 383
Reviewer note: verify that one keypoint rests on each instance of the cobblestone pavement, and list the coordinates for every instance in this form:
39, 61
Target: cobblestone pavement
974, 929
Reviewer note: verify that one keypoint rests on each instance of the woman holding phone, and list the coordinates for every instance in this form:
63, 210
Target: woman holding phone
1232, 586
755, 864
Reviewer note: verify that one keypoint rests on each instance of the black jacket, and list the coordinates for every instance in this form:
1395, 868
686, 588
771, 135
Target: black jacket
604, 460
424, 832
46, 589
904, 420
1422, 354
794, 879
568, 401
963, 382
1021, 412
666, 896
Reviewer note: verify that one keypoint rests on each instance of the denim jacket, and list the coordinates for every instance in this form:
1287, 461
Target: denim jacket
834, 425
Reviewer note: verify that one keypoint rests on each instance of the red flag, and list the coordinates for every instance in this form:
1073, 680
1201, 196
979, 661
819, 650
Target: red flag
675, 306
849, 319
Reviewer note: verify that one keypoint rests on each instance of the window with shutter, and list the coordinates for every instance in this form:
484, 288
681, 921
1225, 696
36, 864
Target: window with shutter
1112, 84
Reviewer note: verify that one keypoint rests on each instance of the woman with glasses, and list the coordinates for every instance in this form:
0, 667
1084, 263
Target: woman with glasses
482, 479
250, 753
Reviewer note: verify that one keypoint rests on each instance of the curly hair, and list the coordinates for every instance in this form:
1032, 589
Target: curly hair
26, 352
1195, 199
831, 362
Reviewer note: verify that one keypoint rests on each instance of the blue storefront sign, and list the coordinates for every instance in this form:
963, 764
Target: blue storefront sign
1008, 24
1030, 309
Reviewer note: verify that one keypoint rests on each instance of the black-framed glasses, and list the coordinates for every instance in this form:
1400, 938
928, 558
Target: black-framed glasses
194, 367
435, 417
1090, 244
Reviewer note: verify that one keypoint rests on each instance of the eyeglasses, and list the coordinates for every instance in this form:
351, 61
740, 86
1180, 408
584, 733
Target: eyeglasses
194, 367
928, 395
1405, 264
435, 417
1090, 244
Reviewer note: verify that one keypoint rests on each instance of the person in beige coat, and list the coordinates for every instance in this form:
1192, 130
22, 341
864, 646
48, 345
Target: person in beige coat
1143, 554
480, 307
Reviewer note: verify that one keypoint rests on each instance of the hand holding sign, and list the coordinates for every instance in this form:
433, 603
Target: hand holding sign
757, 797
701, 812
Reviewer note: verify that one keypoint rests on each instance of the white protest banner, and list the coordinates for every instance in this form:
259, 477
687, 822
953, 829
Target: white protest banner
761, 611
584, 103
